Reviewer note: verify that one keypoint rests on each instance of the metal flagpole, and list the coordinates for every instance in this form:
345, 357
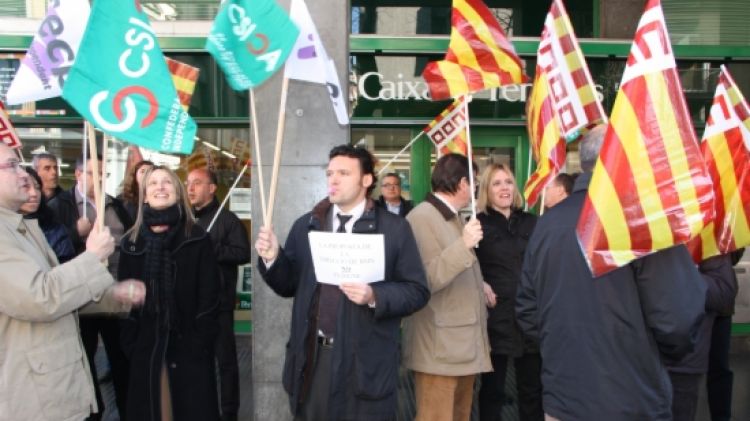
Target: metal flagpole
85, 153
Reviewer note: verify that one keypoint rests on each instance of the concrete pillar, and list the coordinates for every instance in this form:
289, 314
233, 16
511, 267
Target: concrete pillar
311, 132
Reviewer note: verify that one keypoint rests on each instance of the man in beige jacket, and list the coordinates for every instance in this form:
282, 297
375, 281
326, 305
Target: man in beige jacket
445, 343
44, 374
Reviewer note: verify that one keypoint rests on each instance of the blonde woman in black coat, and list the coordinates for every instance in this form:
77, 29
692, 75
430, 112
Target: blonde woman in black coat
170, 340
507, 229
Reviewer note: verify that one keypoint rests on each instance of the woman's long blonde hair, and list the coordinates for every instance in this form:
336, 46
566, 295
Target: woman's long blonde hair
483, 203
182, 202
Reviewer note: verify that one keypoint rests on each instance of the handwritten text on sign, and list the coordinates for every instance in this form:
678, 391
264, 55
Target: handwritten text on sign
340, 258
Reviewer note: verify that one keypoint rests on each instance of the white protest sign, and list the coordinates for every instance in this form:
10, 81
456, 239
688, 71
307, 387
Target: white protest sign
340, 257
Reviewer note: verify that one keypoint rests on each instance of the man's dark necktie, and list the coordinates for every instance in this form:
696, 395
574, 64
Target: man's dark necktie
343, 219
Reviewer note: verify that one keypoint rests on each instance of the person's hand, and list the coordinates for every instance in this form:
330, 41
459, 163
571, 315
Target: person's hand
129, 291
267, 245
83, 226
489, 295
472, 233
100, 242
358, 293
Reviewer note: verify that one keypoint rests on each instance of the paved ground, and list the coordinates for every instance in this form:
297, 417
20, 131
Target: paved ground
740, 360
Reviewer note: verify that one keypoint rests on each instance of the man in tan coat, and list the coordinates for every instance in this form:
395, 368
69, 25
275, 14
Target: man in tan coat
445, 343
44, 374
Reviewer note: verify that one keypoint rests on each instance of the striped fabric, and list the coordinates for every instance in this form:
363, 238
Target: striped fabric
726, 150
563, 100
650, 188
7, 133
546, 140
185, 77
479, 55
448, 130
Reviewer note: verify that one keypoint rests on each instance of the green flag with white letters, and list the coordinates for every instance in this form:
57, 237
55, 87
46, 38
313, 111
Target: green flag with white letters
250, 40
120, 81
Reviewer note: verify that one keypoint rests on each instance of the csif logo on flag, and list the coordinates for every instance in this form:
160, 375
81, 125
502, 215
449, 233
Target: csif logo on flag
139, 38
120, 81
250, 40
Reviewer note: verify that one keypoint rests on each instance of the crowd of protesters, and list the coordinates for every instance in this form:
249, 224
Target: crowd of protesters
461, 300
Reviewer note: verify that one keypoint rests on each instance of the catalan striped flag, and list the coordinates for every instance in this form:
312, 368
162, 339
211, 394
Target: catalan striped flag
448, 130
184, 77
479, 55
563, 100
650, 189
726, 150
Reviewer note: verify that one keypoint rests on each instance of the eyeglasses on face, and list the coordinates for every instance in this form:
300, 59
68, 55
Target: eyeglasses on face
389, 185
12, 165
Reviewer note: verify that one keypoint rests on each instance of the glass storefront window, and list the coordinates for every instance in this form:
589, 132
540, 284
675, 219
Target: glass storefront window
411, 17
156, 10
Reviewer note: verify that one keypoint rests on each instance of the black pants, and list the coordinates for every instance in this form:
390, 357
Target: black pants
109, 329
720, 377
528, 383
315, 405
684, 395
226, 359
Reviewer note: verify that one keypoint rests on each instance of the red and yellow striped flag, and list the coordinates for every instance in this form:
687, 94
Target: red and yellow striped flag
563, 99
184, 77
479, 55
726, 150
448, 130
650, 188
8, 134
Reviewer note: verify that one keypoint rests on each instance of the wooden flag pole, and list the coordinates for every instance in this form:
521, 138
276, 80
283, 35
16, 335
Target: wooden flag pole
85, 157
528, 174
469, 156
95, 170
256, 158
408, 145
226, 198
277, 152
101, 199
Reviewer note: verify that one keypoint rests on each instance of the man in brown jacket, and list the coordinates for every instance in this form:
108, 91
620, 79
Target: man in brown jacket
44, 374
445, 343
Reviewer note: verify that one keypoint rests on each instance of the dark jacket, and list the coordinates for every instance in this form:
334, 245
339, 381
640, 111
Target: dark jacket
601, 338
186, 349
403, 210
721, 284
231, 248
58, 238
66, 211
500, 255
365, 356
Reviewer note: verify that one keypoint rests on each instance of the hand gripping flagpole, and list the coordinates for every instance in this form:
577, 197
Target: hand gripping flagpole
277, 151
469, 155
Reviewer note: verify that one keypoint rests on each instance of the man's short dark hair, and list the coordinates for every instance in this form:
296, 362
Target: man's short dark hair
79, 161
365, 158
44, 155
393, 174
566, 181
448, 172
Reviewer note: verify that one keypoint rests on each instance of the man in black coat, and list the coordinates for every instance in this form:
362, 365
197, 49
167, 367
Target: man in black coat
601, 338
343, 353
390, 197
232, 248
68, 208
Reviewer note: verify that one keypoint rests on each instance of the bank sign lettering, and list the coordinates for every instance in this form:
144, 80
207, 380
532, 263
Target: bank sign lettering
120, 81
250, 40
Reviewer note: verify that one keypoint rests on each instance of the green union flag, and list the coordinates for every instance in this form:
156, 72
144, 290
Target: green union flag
121, 84
250, 40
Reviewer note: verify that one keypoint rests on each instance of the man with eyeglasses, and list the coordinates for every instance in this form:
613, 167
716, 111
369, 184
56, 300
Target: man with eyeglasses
390, 195
232, 248
43, 371
76, 210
